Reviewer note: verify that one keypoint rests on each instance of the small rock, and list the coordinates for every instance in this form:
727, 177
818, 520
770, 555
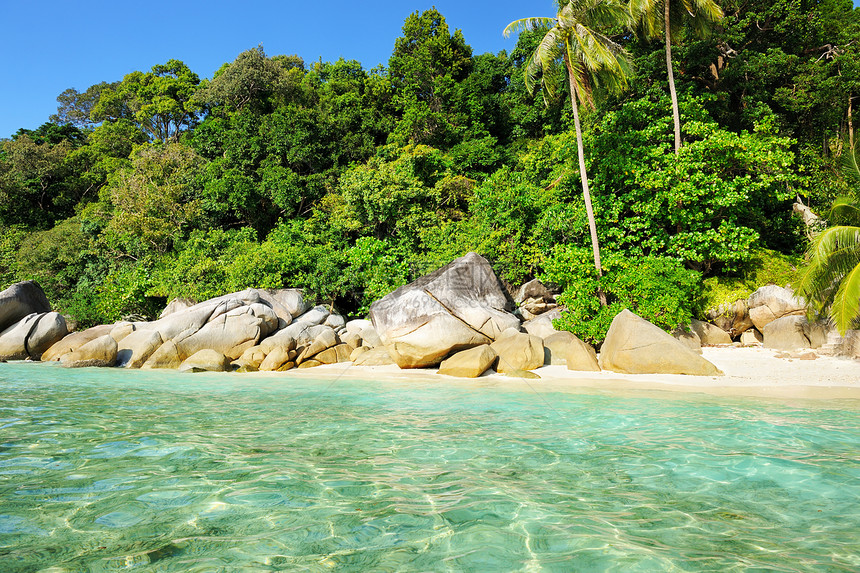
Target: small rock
469, 363
206, 360
565, 348
519, 352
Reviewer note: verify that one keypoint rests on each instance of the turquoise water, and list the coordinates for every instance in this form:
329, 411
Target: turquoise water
110, 470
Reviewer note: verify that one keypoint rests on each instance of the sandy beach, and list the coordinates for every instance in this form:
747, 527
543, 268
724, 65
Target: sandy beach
748, 371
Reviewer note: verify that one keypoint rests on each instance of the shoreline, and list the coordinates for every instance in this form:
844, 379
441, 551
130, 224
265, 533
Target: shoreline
753, 372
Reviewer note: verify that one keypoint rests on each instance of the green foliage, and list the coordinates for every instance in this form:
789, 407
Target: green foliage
711, 205
764, 267
160, 101
10, 240
154, 200
658, 289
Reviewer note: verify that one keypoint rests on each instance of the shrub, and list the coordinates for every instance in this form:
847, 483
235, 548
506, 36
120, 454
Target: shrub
658, 289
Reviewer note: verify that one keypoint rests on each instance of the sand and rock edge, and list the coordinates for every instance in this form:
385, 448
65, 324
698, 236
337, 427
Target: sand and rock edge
458, 320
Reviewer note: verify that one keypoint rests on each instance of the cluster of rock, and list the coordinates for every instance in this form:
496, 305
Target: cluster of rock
251, 330
458, 318
27, 325
777, 318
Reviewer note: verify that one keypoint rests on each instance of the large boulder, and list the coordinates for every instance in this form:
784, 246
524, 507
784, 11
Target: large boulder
565, 348
231, 334
542, 325
98, 352
688, 338
206, 360
177, 305
772, 302
291, 299
635, 346
334, 355
165, 356
19, 300
326, 339
794, 332
31, 336
456, 307
136, 348
469, 363
534, 289
733, 318
709, 334
73, 341
519, 352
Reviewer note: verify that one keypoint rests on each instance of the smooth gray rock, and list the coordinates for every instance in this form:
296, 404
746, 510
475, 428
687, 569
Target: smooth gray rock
519, 352
177, 305
357, 325
456, 307
469, 363
73, 341
542, 325
135, 349
316, 315
566, 348
31, 336
230, 334
635, 346
369, 337
335, 321
533, 289
19, 300
793, 332
772, 302
206, 360
709, 334
98, 352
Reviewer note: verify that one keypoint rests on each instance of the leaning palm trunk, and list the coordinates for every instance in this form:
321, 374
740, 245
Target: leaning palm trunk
580, 148
676, 116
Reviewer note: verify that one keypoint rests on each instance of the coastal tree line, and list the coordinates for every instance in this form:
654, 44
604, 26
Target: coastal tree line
349, 182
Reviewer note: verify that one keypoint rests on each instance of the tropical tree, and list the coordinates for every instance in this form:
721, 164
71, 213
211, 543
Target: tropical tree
590, 58
664, 18
831, 282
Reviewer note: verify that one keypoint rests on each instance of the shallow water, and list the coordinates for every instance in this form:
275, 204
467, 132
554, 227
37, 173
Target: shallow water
109, 470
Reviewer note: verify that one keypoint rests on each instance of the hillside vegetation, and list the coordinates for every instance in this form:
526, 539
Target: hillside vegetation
350, 182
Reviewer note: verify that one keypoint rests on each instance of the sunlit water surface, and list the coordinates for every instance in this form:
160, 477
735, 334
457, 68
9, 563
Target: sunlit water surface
110, 470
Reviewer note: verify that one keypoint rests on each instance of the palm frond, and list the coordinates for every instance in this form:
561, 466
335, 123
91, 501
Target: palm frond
527, 24
845, 210
846, 304
851, 166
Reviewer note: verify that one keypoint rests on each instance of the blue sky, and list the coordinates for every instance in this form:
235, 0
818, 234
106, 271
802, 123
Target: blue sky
49, 46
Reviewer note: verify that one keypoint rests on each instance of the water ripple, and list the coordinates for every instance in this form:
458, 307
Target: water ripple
107, 470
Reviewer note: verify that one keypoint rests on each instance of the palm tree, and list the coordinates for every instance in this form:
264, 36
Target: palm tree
831, 282
664, 17
590, 58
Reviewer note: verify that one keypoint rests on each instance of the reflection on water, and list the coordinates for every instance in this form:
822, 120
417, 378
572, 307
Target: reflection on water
105, 470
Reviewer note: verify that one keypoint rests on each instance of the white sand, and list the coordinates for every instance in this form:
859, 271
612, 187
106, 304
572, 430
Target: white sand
751, 371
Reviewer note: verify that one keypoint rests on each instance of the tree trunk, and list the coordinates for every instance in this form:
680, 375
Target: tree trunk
592, 226
676, 116
850, 125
